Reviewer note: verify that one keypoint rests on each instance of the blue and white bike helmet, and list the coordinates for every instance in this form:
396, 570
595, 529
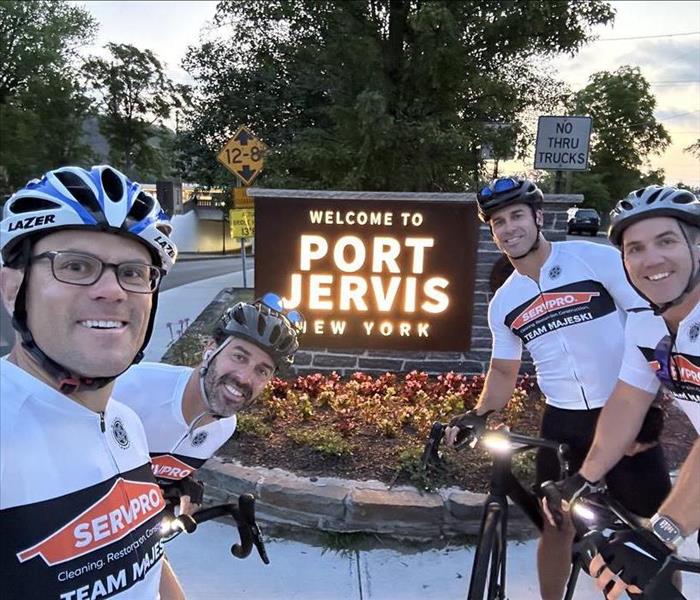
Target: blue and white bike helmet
101, 199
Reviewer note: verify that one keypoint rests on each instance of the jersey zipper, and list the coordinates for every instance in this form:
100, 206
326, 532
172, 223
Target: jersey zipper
568, 354
137, 553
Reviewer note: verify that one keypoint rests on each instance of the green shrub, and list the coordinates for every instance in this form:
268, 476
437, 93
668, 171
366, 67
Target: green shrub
325, 441
252, 425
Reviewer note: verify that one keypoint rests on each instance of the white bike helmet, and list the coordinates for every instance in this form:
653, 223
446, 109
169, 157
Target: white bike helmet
656, 201
653, 201
102, 199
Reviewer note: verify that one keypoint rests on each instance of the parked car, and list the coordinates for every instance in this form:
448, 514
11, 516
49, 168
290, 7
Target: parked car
582, 220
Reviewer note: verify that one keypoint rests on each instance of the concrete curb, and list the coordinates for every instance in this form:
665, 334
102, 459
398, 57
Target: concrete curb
340, 505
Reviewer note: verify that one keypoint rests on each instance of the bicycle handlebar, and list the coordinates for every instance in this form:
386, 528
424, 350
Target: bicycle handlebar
243, 514
600, 511
513, 442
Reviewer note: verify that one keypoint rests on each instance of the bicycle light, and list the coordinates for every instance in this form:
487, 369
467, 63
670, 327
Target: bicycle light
583, 512
496, 442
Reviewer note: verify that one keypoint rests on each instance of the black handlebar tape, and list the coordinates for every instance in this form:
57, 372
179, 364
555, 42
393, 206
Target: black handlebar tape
188, 523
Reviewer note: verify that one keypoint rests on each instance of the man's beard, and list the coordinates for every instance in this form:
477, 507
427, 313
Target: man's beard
211, 384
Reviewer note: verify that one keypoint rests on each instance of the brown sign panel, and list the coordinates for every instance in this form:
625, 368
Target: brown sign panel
371, 273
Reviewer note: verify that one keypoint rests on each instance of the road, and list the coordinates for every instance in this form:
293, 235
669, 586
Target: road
182, 273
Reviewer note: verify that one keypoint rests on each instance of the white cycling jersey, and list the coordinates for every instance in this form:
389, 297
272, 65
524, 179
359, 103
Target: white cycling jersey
154, 391
79, 508
643, 332
571, 321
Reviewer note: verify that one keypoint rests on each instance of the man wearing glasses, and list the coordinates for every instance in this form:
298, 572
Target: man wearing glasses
566, 302
188, 414
83, 254
658, 231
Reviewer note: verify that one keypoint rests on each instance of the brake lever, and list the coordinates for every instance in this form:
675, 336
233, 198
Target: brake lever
431, 457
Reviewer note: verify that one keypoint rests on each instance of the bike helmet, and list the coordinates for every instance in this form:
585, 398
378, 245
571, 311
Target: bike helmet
506, 191
268, 329
656, 201
101, 199
653, 201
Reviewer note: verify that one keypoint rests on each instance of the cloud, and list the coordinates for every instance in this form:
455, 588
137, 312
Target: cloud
670, 59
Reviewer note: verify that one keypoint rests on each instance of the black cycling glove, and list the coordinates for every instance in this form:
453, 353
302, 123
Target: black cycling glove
567, 490
188, 486
469, 424
635, 556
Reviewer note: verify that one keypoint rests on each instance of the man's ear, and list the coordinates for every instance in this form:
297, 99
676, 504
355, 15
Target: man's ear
539, 218
10, 282
208, 349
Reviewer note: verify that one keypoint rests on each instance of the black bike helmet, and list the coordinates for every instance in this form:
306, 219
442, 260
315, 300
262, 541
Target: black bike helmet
653, 201
268, 329
506, 191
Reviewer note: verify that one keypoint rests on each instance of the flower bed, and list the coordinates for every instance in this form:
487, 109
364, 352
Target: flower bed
369, 427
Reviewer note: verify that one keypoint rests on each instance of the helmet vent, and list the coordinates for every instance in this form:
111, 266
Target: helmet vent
261, 324
113, 186
81, 192
626, 205
683, 199
24, 205
143, 205
275, 334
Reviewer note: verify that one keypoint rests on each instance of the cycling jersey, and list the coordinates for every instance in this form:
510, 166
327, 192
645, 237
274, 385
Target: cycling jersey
642, 333
79, 509
570, 320
154, 391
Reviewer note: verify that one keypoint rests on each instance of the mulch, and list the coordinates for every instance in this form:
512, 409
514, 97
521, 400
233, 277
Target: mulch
377, 457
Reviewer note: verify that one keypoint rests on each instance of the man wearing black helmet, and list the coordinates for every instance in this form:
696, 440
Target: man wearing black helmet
80, 513
658, 231
566, 302
188, 414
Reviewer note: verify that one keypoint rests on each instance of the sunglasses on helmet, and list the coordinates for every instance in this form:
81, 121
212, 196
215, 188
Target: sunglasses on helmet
274, 305
505, 184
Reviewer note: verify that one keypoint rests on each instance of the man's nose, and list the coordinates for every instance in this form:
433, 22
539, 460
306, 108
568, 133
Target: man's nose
107, 286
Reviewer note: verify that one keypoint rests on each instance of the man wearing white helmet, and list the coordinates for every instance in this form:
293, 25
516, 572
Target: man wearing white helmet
188, 414
658, 231
83, 253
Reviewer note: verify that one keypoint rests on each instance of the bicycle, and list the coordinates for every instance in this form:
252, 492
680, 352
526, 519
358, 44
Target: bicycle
596, 516
488, 576
242, 512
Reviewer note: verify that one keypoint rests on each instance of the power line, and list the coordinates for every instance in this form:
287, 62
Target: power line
692, 112
647, 37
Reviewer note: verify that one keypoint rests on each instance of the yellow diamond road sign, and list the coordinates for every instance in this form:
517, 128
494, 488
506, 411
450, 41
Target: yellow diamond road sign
243, 155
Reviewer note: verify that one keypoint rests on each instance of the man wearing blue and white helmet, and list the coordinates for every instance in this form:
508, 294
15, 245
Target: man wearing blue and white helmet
83, 253
658, 232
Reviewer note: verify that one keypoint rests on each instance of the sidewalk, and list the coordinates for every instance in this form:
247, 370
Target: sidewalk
177, 307
299, 571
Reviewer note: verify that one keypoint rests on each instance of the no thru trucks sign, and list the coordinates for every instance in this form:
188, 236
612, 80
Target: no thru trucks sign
562, 143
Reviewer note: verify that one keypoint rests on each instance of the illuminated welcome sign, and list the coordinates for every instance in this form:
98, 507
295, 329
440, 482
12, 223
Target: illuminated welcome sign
370, 270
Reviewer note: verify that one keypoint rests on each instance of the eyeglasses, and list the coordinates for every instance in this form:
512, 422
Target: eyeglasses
664, 357
82, 269
274, 305
505, 184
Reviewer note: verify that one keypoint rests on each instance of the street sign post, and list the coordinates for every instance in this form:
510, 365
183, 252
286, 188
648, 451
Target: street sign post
562, 143
243, 155
242, 226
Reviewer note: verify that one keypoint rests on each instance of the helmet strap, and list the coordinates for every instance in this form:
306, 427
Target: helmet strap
203, 370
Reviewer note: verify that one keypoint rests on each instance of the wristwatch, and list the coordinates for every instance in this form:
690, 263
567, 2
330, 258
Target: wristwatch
667, 530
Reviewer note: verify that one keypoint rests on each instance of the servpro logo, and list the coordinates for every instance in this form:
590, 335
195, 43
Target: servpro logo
684, 370
549, 302
169, 467
126, 506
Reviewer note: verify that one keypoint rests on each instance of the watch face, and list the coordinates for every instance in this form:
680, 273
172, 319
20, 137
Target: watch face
666, 529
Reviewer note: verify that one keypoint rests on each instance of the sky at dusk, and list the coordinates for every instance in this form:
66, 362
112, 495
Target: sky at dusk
666, 47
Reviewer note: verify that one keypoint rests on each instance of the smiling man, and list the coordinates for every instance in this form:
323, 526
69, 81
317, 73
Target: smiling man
565, 302
658, 231
83, 253
188, 414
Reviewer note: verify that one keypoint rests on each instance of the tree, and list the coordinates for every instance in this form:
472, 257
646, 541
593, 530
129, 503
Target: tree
625, 132
694, 149
37, 38
42, 104
375, 94
136, 97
